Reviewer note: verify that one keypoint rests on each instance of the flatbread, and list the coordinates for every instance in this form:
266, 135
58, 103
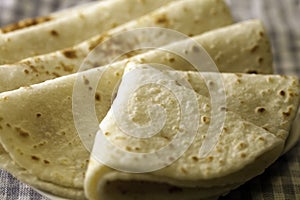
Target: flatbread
40, 126
236, 57
248, 143
25, 39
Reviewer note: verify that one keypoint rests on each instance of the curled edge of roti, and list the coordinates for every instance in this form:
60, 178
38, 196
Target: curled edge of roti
67, 31
243, 37
246, 145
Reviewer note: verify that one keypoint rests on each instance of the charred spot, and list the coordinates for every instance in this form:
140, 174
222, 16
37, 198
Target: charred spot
261, 34
26, 71
260, 60
254, 48
25, 23
161, 19
97, 97
22, 133
70, 53
260, 110
171, 60
195, 158
282, 93
33, 68
46, 162
243, 155
35, 158
95, 43
54, 33
38, 115
287, 113
55, 74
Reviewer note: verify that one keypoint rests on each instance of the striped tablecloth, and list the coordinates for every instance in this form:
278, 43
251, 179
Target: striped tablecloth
282, 20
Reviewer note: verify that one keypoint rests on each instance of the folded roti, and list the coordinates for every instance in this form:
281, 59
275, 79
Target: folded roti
239, 56
259, 112
25, 39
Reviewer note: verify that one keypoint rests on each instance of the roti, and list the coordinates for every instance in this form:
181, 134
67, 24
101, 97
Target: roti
259, 112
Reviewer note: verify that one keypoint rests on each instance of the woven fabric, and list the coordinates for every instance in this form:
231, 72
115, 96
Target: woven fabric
281, 18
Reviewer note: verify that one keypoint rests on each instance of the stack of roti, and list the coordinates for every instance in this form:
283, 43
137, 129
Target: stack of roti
48, 66
48, 126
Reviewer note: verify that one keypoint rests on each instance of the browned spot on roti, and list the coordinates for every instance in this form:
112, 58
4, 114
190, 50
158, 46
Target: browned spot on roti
254, 48
99, 40
70, 53
260, 110
22, 133
205, 119
171, 60
46, 162
54, 33
97, 97
38, 115
67, 68
162, 19
183, 170
35, 158
55, 74
85, 80
287, 113
25, 23
26, 71
261, 34
243, 155
195, 158
260, 60
282, 93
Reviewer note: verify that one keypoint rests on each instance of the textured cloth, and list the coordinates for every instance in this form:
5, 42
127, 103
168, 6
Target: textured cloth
281, 18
